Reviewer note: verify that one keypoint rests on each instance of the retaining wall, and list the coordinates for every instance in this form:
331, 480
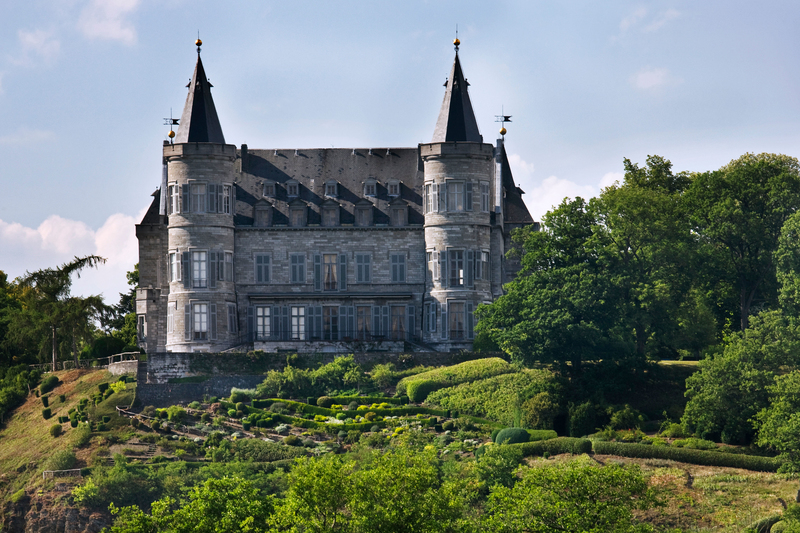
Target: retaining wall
123, 367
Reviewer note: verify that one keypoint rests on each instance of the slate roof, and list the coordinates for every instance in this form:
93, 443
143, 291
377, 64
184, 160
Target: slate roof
456, 119
199, 121
514, 209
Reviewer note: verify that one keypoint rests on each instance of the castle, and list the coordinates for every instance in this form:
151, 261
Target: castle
325, 250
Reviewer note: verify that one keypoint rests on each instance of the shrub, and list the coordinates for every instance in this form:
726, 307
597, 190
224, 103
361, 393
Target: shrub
61, 460
101, 426
17, 496
626, 418
46, 413
695, 444
63, 419
449, 425
240, 406
494, 433
73, 422
556, 446
102, 387
542, 434
673, 431
342, 435
278, 407
325, 401
512, 436
582, 419
497, 465
49, 383
134, 423
45, 400
461, 373
117, 386
246, 425
352, 406
232, 413
175, 413
341, 416
419, 390
194, 405
697, 457
237, 396
55, 430
156, 425
375, 429
539, 411
106, 419
205, 418
291, 440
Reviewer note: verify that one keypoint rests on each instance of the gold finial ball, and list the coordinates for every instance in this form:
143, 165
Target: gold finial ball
171, 134
503, 131
456, 42
198, 42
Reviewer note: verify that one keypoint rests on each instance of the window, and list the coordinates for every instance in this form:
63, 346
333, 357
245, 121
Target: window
174, 267
398, 268
428, 197
263, 322
456, 259
430, 316
468, 196
173, 199
398, 324
200, 322
199, 270
363, 319
232, 321
484, 197
456, 319
141, 327
170, 317
292, 188
394, 188
331, 189
198, 197
263, 214
431, 265
398, 216
298, 323
364, 216
330, 216
298, 216
228, 266
226, 200
269, 189
298, 266
363, 268
455, 196
263, 268
330, 323
369, 188
482, 265
330, 272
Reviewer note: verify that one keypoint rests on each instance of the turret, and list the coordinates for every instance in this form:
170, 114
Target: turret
200, 206
458, 203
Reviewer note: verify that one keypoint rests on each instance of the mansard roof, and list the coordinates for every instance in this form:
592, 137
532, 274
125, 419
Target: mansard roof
199, 121
456, 118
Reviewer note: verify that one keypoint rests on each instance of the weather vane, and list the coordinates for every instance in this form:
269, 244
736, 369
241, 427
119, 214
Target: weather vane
502, 118
171, 122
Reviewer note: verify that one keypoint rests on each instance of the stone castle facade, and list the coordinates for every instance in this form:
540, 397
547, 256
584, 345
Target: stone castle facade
316, 250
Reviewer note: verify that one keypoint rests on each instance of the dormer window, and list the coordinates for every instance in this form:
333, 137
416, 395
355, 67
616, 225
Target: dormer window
331, 189
363, 212
330, 213
298, 213
269, 189
370, 187
394, 188
293, 188
262, 214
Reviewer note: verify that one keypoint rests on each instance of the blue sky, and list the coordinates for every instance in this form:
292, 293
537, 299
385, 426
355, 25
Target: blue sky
85, 85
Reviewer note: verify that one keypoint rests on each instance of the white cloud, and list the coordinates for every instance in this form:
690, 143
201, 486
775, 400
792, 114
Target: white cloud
610, 178
521, 169
26, 136
633, 19
661, 19
36, 45
650, 78
552, 191
108, 20
57, 240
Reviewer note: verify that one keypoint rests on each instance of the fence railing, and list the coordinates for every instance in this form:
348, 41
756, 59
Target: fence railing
74, 472
101, 362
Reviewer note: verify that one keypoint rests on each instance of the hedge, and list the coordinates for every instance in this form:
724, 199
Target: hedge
419, 390
685, 455
542, 434
344, 400
449, 376
555, 446
396, 411
512, 436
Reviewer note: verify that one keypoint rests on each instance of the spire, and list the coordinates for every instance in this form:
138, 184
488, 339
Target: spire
199, 122
456, 119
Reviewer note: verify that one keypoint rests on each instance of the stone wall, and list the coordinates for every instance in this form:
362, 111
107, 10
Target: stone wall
123, 367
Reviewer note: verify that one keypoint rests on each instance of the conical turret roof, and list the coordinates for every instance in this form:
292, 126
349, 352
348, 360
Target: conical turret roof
199, 121
456, 118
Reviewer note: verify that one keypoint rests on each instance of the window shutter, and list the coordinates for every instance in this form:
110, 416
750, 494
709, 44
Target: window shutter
402, 268
285, 330
435, 197
342, 272
318, 321
212, 271
267, 269
469, 274
411, 322
186, 265
426, 317
185, 198
443, 268
212, 311
434, 312
386, 329
187, 322
220, 205
444, 321
309, 323
468, 196
470, 320
212, 198
251, 323
342, 322
317, 272
443, 197
376, 321
275, 323
351, 322
435, 266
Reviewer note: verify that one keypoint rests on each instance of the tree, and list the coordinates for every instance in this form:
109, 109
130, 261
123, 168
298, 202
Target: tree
48, 315
787, 259
779, 423
9, 303
732, 386
576, 496
739, 211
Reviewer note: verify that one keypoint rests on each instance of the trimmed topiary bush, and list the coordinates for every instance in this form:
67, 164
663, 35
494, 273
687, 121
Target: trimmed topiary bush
556, 446
46, 413
46, 401
102, 387
325, 401
73, 422
156, 425
418, 390
512, 436
205, 418
101, 426
62, 398
246, 425
291, 440
135, 423
494, 433
106, 419
49, 383
63, 419
55, 430
449, 426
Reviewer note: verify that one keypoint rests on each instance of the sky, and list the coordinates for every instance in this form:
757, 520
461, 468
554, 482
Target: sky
85, 86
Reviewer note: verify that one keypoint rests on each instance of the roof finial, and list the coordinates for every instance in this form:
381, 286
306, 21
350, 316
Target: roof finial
456, 42
502, 118
198, 42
